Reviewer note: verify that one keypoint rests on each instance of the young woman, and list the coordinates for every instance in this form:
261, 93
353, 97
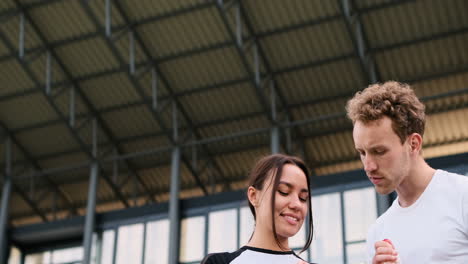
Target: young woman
279, 199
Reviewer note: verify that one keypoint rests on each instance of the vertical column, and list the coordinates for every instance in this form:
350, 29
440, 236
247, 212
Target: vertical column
275, 129
343, 229
21, 37
383, 203
174, 196
6, 193
91, 206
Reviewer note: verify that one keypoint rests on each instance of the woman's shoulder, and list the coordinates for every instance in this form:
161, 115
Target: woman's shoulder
221, 258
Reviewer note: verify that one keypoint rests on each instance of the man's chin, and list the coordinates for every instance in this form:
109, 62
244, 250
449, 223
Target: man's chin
383, 191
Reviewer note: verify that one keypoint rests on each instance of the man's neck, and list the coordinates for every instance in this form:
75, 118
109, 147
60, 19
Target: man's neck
415, 183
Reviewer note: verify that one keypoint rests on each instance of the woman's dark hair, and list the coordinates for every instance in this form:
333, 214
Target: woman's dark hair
259, 174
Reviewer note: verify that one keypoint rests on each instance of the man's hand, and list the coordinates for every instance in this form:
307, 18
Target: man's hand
385, 253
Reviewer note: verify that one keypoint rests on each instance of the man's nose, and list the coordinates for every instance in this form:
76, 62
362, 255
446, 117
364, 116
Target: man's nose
369, 164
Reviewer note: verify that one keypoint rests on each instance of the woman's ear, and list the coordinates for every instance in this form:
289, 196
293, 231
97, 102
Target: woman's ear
252, 195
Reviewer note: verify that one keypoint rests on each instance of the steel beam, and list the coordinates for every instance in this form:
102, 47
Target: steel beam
33, 162
90, 213
5, 203
52, 54
361, 44
135, 83
174, 208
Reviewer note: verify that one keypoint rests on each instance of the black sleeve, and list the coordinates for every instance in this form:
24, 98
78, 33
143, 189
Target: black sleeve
216, 258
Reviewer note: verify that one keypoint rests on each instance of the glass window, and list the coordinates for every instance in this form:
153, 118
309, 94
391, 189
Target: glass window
192, 239
130, 244
327, 245
298, 241
67, 255
157, 242
15, 256
107, 247
356, 253
247, 223
222, 232
360, 213
39, 258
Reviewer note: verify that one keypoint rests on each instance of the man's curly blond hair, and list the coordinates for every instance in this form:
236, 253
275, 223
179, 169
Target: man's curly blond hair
394, 100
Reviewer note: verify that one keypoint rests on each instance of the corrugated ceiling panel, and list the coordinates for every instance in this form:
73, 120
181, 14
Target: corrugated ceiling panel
321, 82
197, 29
370, 3
207, 68
11, 27
66, 160
98, 8
340, 167
453, 84
237, 165
18, 156
86, 57
446, 127
413, 21
234, 126
25, 110
13, 78
4, 50
241, 143
7, 4
326, 150
146, 84
446, 149
63, 103
157, 179
423, 60
47, 140
61, 20
147, 8
222, 103
110, 90
18, 205
268, 15
130, 122
123, 45
146, 142
308, 44
39, 70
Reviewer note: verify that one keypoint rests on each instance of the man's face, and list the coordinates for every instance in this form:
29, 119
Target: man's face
386, 160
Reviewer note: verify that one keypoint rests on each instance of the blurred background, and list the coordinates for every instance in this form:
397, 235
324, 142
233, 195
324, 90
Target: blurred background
128, 128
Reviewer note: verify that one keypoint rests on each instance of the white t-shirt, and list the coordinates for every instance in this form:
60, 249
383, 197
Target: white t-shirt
432, 230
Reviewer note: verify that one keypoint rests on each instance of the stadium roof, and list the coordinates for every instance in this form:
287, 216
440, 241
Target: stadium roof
232, 70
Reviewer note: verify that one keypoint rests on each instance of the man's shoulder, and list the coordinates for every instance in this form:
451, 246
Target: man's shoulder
452, 180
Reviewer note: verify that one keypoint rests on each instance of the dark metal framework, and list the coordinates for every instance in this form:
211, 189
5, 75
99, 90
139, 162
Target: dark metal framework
184, 137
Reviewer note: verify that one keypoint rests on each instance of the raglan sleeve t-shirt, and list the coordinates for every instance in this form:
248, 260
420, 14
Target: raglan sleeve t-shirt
252, 255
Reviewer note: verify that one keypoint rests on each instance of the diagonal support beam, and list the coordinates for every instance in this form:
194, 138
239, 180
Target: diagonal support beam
27, 68
277, 93
133, 79
76, 88
361, 45
36, 166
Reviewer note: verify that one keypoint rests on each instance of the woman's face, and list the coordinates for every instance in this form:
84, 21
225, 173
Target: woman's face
291, 202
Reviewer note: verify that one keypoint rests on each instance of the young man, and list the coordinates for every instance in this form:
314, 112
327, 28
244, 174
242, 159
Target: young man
428, 222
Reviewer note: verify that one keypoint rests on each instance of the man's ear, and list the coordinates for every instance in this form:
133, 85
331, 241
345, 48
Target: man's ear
252, 195
415, 141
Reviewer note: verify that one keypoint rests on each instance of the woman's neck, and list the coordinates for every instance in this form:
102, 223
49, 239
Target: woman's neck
266, 240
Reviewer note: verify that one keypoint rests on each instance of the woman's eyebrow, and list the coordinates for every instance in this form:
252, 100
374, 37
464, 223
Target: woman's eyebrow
291, 186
